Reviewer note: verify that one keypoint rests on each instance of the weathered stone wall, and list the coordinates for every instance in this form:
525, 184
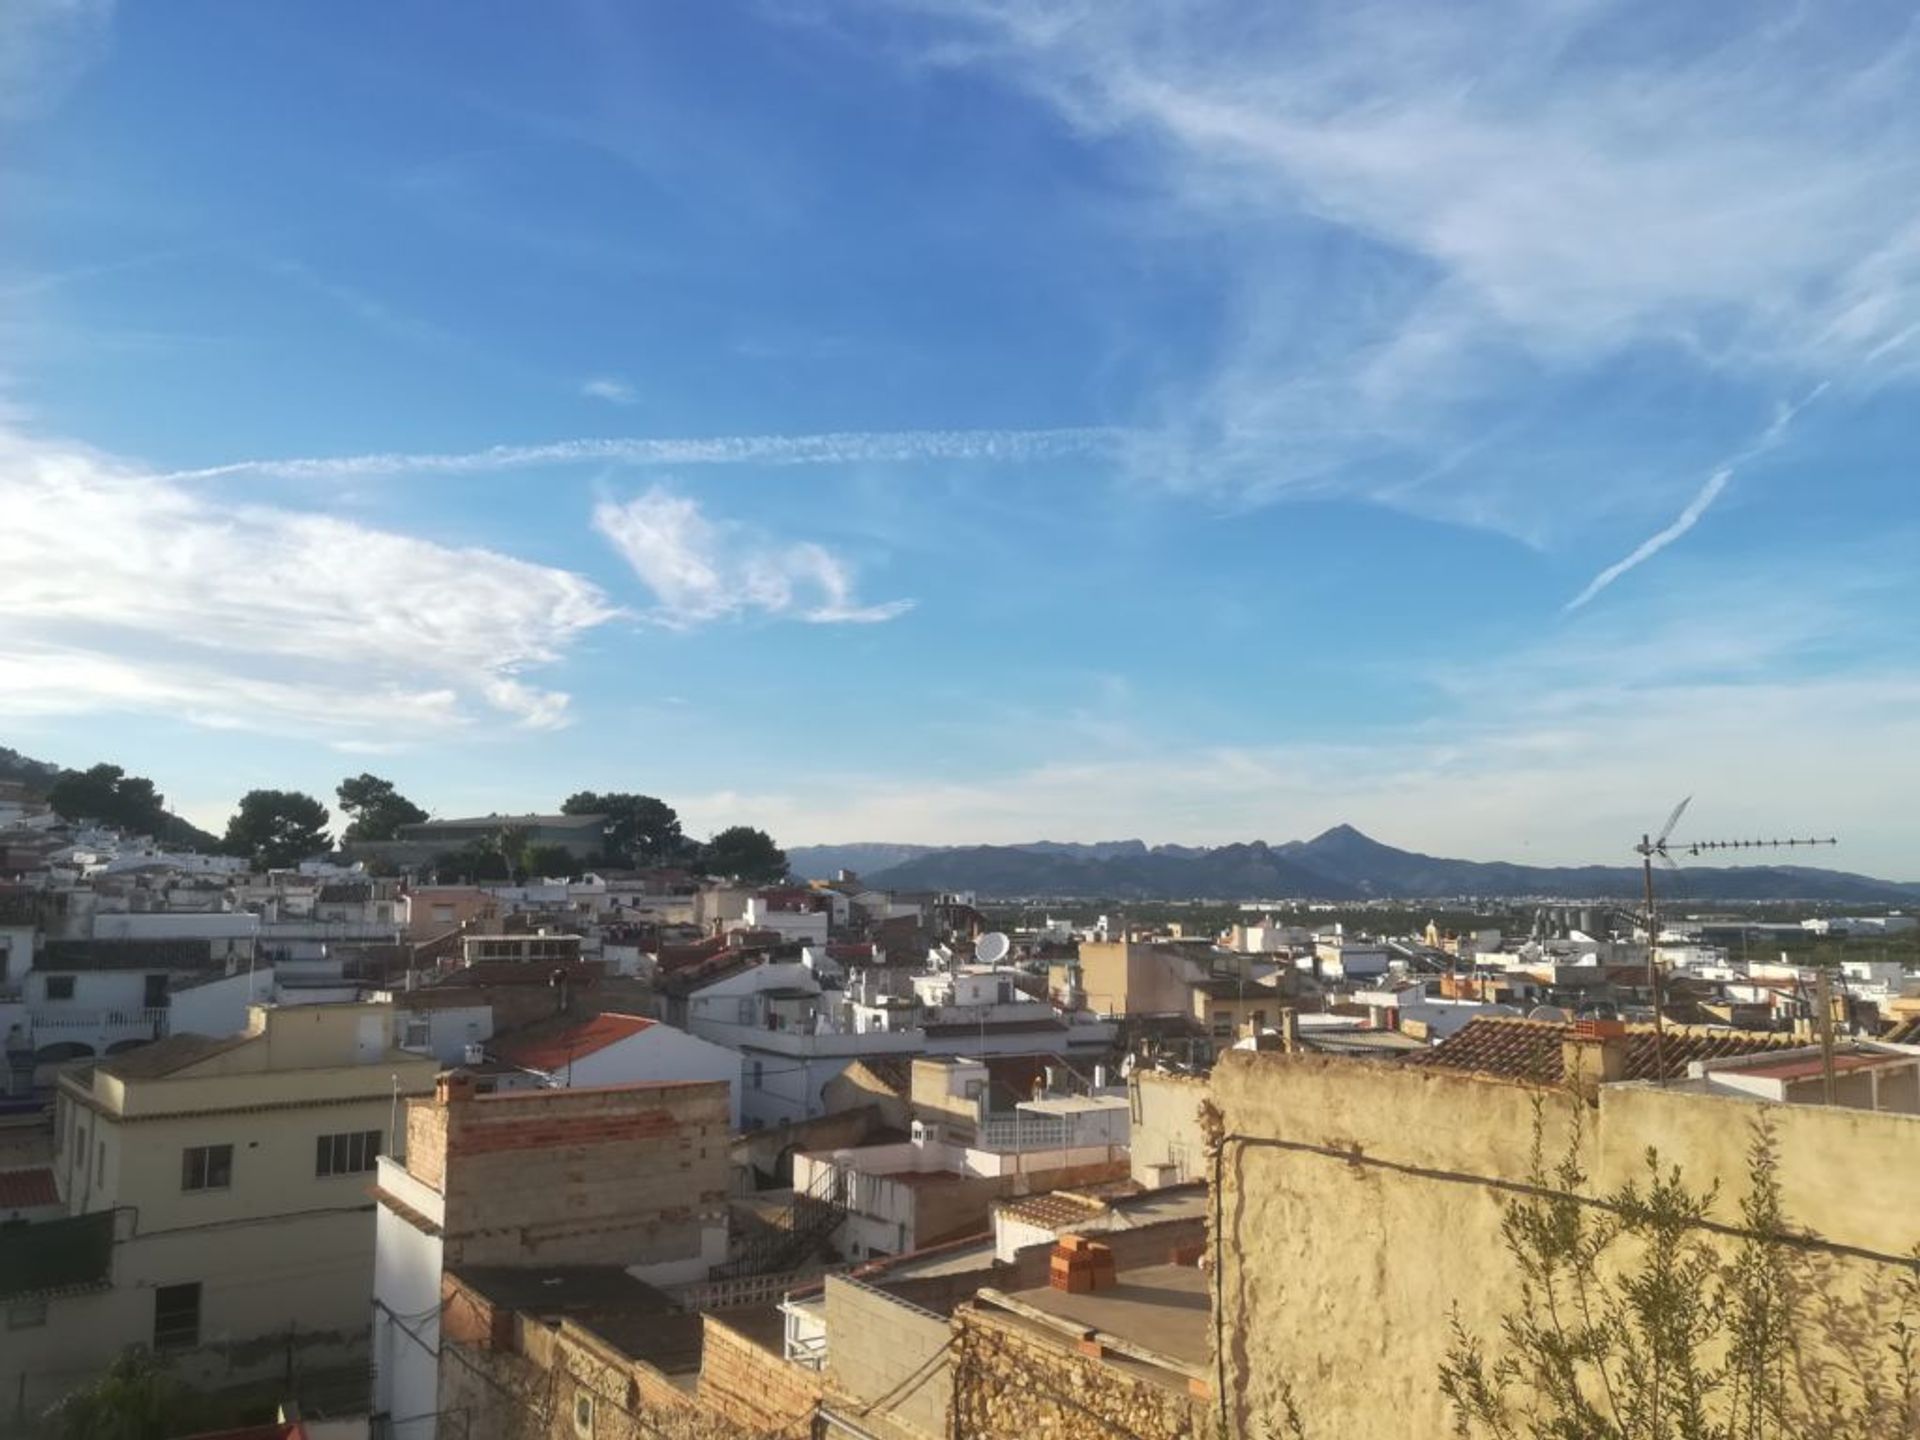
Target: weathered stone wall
753, 1388
1009, 1384
627, 1174
1361, 1208
889, 1354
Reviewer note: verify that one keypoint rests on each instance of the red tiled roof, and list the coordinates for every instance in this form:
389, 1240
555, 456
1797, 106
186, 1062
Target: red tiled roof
550, 1052
1531, 1049
27, 1189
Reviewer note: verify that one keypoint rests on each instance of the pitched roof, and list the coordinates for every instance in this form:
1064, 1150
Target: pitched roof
27, 1189
1517, 1049
166, 1057
563, 1047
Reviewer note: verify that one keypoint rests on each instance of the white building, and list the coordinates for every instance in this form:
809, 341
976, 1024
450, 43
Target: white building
615, 1049
793, 1035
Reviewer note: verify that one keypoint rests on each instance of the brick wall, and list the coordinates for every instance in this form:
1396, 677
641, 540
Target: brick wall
626, 1174
751, 1387
1010, 1384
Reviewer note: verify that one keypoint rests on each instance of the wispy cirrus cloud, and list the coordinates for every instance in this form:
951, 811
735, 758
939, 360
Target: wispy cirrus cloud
1522, 194
700, 569
125, 591
44, 47
610, 389
832, 448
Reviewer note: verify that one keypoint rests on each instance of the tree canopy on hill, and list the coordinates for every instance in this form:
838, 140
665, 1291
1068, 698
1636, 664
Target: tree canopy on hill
641, 830
377, 810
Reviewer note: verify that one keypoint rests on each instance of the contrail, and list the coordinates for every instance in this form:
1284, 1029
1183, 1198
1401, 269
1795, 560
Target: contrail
838, 448
1653, 545
1700, 504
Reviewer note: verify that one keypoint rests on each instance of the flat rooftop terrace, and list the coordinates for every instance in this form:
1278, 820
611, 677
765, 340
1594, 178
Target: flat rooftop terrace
1163, 1308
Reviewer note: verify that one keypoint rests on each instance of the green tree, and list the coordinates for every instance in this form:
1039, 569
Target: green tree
554, 860
136, 1398
1632, 1323
277, 828
108, 795
377, 809
744, 853
641, 830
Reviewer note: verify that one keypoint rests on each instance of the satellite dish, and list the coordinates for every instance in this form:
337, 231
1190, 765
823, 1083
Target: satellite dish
1552, 1014
991, 948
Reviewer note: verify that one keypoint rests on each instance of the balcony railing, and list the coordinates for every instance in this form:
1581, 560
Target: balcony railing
150, 1020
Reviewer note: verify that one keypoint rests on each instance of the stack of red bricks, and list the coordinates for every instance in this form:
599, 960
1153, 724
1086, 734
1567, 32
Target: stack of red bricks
1079, 1265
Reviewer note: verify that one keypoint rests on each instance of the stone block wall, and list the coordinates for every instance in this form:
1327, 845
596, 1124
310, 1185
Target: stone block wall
1012, 1384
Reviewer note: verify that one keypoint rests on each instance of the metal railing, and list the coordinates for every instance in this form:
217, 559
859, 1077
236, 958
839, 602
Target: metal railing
151, 1019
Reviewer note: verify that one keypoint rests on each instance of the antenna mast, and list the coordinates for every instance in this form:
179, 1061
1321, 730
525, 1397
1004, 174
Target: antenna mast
1652, 846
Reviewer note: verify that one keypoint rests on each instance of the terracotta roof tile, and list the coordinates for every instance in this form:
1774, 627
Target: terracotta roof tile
1531, 1049
550, 1052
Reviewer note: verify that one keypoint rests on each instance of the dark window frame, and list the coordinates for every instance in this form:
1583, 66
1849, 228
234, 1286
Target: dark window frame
206, 1167
347, 1152
59, 987
176, 1316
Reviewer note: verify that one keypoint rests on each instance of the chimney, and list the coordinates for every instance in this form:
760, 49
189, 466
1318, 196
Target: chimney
1594, 1053
1080, 1266
1289, 1029
453, 1087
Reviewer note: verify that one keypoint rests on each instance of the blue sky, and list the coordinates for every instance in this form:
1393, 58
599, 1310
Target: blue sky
967, 420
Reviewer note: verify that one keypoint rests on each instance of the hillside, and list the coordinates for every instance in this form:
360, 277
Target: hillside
38, 776
1340, 864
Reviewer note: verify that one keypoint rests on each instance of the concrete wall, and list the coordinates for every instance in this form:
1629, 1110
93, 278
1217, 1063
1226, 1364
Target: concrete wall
884, 1349
406, 1324
1168, 1147
1346, 1245
856, 1087
293, 1293
1122, 978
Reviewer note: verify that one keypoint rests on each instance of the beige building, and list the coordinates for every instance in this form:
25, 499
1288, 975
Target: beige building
1362, 1202
217, 1207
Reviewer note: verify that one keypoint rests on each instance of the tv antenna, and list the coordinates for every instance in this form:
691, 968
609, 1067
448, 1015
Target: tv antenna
1663, 848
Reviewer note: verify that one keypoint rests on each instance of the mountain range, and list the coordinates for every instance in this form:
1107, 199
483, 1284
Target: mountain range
1340, 864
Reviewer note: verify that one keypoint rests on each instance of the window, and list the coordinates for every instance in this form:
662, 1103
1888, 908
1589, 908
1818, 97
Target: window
59, 987
582, 1414
756, 1074
1223, 1026
155, 997
176, 1315
206, 1167
350, 1153
443, 914
419, 1033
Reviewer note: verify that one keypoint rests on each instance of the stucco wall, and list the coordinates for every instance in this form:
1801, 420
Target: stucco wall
1167, 1145
1346, 1246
